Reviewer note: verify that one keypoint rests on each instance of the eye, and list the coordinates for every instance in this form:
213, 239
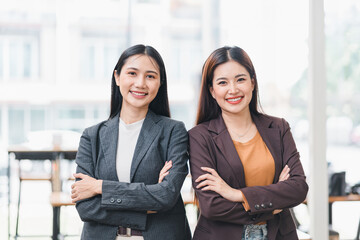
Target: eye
241, 79
221, 82
150, 76
132, 73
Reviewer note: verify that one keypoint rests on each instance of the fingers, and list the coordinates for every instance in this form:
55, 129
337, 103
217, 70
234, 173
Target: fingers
165, 171
204, 177
210, 170
166, 167
208, 180
79, 175
285, 170
277, 211
74, 200
162, 176
285, 174
205, 183
208, 188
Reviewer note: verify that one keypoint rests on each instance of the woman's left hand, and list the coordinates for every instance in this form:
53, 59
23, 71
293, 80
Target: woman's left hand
87, 187
165, 171
213, 182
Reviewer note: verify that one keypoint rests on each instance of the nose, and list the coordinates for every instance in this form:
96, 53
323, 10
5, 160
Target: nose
233, 88
140, 81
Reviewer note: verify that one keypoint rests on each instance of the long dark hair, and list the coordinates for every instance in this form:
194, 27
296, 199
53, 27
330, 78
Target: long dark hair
160, 104
208, 108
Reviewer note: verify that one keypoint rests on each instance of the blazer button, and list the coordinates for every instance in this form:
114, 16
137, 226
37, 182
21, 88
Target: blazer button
118, 200
257, 207
263, 206
270, 205
112, 200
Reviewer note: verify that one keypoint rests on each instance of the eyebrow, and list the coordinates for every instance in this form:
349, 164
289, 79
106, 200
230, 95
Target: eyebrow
240, 75
224, 78
148, 71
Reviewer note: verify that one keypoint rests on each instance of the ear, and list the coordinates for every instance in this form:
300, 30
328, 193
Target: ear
117, 78
211, 89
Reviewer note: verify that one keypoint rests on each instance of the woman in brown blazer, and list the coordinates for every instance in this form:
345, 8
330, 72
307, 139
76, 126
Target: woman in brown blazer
245, 166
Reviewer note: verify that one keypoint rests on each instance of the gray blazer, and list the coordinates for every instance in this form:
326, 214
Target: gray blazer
125, 204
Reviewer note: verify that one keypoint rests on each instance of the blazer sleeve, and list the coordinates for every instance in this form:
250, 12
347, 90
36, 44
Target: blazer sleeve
212, 205
157, 197
90, 210
285, 194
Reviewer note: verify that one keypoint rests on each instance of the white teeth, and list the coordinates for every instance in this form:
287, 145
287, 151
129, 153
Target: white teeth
138, 94
234, 99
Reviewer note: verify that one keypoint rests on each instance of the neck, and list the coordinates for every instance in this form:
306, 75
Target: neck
237, 121
131, 114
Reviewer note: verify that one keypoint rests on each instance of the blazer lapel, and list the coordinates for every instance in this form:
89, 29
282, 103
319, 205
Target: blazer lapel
271, 137
109, 141
226, 146
147, 135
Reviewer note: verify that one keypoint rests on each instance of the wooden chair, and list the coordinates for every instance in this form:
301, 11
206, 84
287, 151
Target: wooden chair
27, 177
58, 200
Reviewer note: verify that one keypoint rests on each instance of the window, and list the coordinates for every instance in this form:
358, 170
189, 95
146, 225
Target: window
37, 119
111, 56
19, 57
68, 113
1, 136
99, 57
1, 61
16, 126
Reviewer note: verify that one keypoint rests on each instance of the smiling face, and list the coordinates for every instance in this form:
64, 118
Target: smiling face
139, 82
232, 88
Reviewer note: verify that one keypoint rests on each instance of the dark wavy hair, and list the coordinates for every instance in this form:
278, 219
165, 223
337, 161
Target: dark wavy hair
208, 108
160, 104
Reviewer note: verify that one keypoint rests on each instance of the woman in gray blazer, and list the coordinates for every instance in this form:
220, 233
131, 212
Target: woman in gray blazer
245, 167
125, 187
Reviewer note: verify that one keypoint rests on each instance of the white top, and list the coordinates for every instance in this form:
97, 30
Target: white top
127, 139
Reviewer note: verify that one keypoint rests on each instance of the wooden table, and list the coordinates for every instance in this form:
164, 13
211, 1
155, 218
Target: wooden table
55, 156
302, 235
348, 198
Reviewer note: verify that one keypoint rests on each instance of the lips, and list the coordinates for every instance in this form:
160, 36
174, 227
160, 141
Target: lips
234, 100
138, 94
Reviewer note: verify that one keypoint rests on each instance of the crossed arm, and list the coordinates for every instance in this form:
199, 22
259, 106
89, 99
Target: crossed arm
221, 202
94, 197
211, 181
89, 187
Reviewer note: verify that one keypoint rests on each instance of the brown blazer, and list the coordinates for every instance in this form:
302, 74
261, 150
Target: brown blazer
211, 146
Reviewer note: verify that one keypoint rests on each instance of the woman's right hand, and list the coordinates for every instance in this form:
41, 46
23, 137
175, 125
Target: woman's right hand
284, 175
165, 170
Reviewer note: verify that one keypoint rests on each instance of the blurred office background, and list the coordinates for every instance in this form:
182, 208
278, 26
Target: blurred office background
57, 58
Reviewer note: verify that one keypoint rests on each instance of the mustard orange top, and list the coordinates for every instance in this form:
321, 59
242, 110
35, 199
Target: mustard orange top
258, 163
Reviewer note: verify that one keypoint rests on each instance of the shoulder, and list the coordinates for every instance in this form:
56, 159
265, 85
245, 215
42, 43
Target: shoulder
93, 130
170, 123
166, 121
201, 129
272, 121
